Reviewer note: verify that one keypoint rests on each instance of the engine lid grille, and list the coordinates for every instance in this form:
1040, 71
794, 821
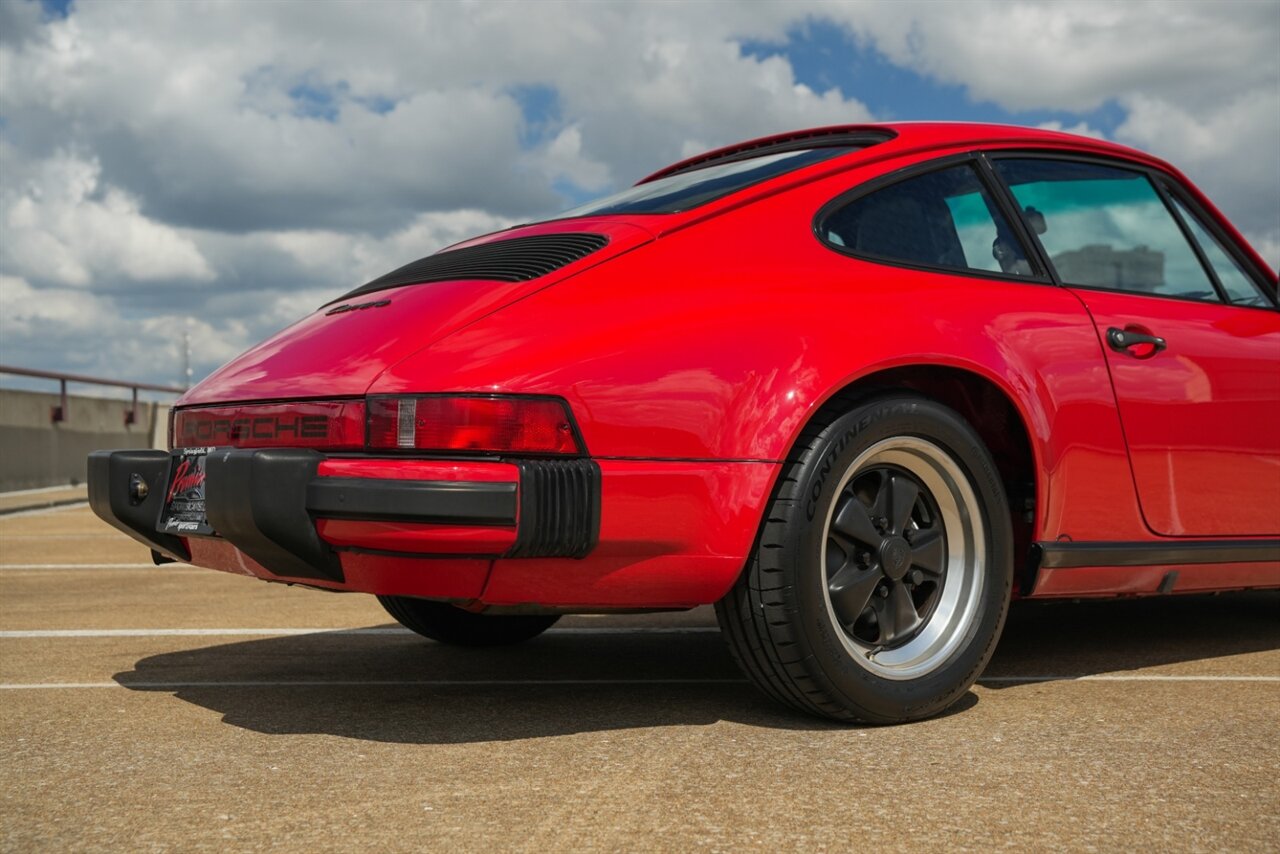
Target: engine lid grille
518, 259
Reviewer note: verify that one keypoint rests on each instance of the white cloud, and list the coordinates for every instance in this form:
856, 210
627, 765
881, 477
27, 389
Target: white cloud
1231, 151
65, 226
37, 324
1079, 129
1198, 80
242, 163
1078, 54
360, 257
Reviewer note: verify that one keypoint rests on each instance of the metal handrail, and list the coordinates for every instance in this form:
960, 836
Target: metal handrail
59, 413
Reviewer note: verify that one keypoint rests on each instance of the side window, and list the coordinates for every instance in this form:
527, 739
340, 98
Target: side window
1105, 227
1239, 287
939, 219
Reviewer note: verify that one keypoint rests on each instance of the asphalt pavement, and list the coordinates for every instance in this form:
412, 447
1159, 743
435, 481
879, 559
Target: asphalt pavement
169, 708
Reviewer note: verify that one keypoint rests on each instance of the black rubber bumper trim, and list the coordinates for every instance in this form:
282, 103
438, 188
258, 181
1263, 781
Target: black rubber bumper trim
265, 503
1055, 555
559, 508
439, 501
257, 500
112, 497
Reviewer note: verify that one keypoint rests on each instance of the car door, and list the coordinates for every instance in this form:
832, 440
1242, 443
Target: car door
1191, 338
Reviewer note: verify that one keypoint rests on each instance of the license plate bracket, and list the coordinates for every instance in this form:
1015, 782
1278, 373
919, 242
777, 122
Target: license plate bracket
184, 511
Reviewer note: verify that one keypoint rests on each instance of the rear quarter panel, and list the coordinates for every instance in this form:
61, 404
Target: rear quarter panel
721, 339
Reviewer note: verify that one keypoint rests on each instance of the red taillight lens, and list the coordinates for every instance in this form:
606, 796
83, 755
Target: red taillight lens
495, 424
327, 425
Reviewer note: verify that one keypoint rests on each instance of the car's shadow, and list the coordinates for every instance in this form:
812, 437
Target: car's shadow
396, 687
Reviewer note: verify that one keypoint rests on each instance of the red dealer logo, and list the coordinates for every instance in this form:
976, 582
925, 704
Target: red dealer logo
187, 477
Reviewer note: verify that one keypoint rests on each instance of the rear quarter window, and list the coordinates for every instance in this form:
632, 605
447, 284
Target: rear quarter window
942, 219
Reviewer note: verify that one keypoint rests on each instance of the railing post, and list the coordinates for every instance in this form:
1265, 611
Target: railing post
59, 412
131, 417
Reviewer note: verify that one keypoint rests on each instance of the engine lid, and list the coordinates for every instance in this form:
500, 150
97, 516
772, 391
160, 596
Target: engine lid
342, 348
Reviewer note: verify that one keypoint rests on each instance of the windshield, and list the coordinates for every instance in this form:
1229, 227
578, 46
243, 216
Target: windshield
686, 190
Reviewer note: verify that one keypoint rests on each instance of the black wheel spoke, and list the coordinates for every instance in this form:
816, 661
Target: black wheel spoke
886, 557
853, 520
929, 551
850, 590
897, 615
903, 493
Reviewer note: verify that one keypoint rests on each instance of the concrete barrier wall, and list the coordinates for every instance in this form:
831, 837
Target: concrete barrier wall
36, 452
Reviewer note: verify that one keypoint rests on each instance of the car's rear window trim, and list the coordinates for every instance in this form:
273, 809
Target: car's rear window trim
853, 140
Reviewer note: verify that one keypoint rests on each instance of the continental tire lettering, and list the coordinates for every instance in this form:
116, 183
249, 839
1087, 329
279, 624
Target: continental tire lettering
829, 460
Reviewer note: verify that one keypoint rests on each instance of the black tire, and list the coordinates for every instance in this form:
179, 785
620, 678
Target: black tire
442, 622
803, 638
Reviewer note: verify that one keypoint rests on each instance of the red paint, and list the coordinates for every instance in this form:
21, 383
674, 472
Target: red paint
1202, 417
672, 534
707, 339
451, 578
417, 538
411, 469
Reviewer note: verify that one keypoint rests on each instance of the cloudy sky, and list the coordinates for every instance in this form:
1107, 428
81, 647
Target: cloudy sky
224, 167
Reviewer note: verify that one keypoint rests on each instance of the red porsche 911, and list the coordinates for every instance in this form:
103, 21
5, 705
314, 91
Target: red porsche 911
858, 386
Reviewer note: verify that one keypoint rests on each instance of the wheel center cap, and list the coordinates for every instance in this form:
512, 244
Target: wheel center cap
895, 557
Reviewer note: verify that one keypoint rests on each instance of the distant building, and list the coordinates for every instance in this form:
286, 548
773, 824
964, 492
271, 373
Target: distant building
1138, 269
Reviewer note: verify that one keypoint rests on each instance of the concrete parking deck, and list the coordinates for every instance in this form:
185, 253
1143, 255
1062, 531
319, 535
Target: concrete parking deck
153, 708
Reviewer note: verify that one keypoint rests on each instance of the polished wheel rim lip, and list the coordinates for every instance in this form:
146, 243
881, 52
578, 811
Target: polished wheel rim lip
955, 606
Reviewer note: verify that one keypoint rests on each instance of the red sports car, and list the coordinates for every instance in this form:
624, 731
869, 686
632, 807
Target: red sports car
857, 386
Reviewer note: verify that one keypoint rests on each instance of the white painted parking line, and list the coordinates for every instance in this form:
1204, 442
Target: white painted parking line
1129, 677
504, 683
58, 566
272, 632
364, 683
38, 511
99, 535
41, 490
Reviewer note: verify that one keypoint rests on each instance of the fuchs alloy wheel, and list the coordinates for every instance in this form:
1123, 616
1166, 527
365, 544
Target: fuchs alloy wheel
442, 622
883, 570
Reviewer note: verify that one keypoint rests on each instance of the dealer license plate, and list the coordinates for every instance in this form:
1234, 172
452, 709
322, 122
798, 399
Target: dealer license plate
184, 501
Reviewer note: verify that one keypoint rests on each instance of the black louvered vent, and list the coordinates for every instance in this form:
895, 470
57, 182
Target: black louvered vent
559, 508
516, 260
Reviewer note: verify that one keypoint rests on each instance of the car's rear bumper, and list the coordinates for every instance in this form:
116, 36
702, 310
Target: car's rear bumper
559, 533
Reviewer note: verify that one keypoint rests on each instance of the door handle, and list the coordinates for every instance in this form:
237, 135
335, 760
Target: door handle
1121, 340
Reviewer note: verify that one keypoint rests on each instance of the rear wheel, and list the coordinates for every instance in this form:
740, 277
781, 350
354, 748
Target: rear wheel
442, 622
881, 579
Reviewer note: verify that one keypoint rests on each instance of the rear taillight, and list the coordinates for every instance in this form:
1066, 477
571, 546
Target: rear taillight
325, 425
495, 424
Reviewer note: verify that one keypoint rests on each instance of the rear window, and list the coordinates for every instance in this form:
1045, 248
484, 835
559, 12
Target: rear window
685, 190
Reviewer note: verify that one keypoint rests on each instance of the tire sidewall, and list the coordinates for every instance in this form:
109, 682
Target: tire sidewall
835, 449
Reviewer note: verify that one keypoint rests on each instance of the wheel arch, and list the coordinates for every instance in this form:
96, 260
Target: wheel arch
993, 412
